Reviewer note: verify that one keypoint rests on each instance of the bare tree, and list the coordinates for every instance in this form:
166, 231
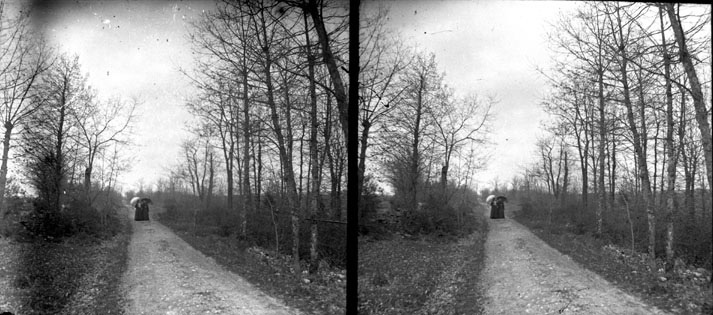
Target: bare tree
460, 122
100, 125
412, 120
383, 60
554, 156
199, 167
23, 59
47, 138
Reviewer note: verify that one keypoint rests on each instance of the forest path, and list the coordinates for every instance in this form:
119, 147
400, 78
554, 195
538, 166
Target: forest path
524, 275
167, 276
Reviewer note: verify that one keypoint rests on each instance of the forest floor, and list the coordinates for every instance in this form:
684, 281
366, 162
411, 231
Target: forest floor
402, 274
76, 275
685, 291
167, 276
523, 274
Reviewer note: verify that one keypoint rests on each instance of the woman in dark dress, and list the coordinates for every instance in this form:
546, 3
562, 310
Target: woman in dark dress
497, 208
141, 212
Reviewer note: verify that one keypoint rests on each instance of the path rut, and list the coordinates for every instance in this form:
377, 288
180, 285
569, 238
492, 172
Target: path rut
524, 275
167, 276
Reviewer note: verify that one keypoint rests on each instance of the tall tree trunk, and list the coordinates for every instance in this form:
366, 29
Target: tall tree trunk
698, 102
249, 207
284, 149
415, 154
601, 200
314, 10
593, 156
672, 155
689, 181
59, 153
314, 158
582, 148
637, 141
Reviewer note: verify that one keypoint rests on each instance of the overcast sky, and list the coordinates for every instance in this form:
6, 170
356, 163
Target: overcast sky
135, 49
490, 48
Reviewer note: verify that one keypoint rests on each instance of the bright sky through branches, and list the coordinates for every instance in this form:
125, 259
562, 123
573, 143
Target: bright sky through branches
133, 49
136, 48
490, 48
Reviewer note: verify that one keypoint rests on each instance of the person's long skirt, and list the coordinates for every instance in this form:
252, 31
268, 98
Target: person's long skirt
497, 211
141, 213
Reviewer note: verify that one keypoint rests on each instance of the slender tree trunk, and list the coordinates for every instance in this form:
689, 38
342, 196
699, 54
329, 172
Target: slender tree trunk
612, 173
637, 141
314, 158
299, 189
284, 149
593, 157
581, 149
88, 173
366, 126
59, 153
699, 102
415, 154
672, 155
3, 169
565, 183
211, 180
229, 158
249, 207
688, 178
601, 202
314, 10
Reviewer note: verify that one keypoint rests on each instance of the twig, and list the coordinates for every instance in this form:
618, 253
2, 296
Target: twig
561, 310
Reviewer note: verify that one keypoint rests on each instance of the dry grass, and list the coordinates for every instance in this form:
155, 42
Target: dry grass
422, 276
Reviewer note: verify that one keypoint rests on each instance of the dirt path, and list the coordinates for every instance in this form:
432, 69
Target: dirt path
524, 275
167, 276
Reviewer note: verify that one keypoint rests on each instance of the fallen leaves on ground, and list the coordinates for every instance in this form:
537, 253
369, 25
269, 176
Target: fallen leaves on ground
77, 275
421, 276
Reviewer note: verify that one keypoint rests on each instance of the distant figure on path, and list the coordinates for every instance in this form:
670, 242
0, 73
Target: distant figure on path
497, 206
141, 208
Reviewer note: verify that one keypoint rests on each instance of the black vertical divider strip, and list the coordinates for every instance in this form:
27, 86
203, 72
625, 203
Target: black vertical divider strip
352, 172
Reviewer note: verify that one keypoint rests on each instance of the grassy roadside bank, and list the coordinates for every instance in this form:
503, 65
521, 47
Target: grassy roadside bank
319, 293
428, 275
75, 275
681, 292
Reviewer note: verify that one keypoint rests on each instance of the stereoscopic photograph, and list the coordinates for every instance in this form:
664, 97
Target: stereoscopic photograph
365, 157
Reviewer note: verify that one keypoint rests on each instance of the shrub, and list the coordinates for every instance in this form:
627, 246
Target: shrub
434, 216
76, 217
